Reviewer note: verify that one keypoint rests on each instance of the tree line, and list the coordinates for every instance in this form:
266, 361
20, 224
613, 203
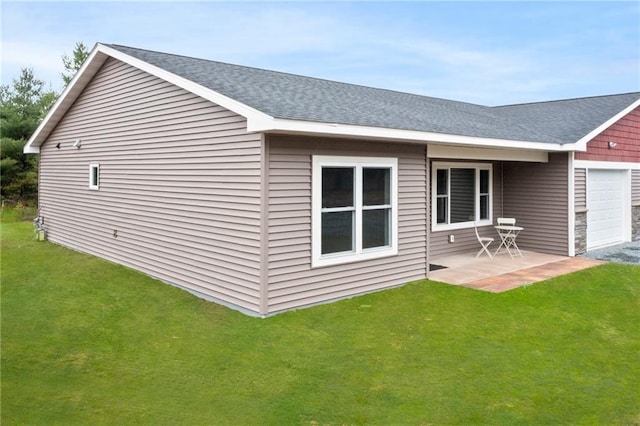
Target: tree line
23, 105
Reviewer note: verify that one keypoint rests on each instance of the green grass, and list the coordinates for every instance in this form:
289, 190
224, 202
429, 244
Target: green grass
85, 341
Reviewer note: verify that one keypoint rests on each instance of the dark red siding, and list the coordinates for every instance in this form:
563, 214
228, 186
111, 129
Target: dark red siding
625, 133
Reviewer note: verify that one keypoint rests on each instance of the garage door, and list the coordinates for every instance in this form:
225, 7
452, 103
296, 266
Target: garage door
605, 201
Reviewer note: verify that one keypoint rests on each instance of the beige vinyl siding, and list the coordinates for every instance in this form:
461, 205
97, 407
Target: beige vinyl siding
465, 239
580, 193
635, 187
179, 185
292, 281
536, 194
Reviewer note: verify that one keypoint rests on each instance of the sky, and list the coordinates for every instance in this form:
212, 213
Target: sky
489, 53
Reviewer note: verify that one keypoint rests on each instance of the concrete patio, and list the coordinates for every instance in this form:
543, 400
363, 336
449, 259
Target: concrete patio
503, 273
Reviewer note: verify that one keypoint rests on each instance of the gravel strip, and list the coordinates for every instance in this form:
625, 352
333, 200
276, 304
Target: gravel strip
621, 253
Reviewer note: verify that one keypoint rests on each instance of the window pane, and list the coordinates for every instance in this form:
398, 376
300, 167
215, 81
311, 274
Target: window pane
463, 195
375, 228
337, 232
484, 181
484, 207
337, 187
376, 186
94, 176
441, 210
442, 182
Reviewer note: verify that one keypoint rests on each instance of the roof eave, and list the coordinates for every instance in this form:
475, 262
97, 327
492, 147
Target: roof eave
581, 144
258, 121
98, 55
292, 126
89, 68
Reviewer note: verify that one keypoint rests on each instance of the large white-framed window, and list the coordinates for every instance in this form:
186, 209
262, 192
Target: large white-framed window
354, 206
461, 195
94, 176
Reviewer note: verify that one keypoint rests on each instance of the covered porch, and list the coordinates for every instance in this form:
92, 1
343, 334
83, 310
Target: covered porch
472, 188
503, 273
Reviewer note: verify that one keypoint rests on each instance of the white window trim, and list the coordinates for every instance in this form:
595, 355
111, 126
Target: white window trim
92, 167
358, 254
435, 226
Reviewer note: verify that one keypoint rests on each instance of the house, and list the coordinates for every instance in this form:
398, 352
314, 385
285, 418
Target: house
266, 191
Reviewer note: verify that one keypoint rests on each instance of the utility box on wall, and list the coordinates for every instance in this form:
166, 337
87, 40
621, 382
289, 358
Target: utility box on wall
41, 234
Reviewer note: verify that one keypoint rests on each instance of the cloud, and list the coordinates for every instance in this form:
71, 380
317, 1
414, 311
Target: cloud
25, 54
43, 59
516, 52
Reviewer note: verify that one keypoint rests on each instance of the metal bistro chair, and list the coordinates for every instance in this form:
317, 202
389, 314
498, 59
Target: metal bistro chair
508, 234
485, 242
507, 221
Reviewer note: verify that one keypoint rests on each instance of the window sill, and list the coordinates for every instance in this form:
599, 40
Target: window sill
461, 225
340, 259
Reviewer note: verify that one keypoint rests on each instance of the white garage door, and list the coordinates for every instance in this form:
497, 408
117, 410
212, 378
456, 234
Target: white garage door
605, 201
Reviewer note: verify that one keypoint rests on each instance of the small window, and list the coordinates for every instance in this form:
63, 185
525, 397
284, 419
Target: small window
94, 176
354, 209
462, 194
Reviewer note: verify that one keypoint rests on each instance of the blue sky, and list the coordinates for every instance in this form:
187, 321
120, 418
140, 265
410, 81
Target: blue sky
489, 53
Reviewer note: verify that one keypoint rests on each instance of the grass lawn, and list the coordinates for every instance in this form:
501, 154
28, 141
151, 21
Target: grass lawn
85, 341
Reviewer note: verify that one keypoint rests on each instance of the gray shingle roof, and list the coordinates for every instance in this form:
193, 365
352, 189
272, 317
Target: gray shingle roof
290, 96
568, 119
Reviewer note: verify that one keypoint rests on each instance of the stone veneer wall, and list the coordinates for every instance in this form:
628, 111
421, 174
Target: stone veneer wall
581, 229
581, 232
635, 223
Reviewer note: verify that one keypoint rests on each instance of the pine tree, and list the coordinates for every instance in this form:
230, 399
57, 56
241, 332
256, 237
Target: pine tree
73, 64
22, 106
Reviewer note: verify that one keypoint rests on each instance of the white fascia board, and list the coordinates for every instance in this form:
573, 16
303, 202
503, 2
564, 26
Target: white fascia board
494, 154
89, 68
581, 145
611, 165
94, 61
571, 207
281, 125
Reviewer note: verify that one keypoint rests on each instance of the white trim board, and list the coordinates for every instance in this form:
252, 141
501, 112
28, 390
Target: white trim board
571, 206
301, 127
590, 164
466, 153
